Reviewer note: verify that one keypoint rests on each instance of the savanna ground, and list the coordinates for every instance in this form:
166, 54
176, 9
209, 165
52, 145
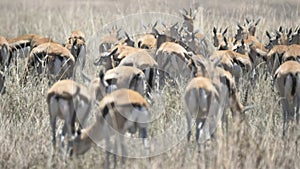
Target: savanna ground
24, 122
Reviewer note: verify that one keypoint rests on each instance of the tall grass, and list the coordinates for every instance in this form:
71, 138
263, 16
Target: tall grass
256, 143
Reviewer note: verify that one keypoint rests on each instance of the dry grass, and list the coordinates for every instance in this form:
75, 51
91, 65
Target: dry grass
24, 122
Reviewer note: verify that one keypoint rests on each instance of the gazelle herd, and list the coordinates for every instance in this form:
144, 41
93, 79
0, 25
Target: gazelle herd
135, 68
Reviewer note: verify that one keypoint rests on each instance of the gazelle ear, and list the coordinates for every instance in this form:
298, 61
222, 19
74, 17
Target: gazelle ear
280, 29
247, 20
257, 22
224, 32
278, 35
215, 30
268, 35
290, 32
155, 32
239, 25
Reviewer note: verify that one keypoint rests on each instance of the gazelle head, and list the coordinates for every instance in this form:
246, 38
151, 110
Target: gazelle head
242, 32
76, 44
189, 18
295, 37
251, 25
219, 38
273, 40
284, 35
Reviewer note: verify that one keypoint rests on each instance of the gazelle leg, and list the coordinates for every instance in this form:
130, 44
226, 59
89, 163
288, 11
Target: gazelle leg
116, 151
199, 126
53, 124
188, 119
285, 116
107, 152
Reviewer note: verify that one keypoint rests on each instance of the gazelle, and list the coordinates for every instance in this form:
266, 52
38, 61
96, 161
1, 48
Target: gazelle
233, 62
220, 41
58, 60
148, 40
70, 101
145, 62
292, 53
251, 25
120, 111
126, 77
201, 99
172, 60
189, 18
114, 55
295, 37
287, 81
114, 38
76, 44
108, 40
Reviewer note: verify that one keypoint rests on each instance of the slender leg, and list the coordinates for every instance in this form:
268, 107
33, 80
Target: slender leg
297, 108
144, 136
107, 151
116, 151
188, 119
285, 116
63, 134
53, 124
123, 150
199, 126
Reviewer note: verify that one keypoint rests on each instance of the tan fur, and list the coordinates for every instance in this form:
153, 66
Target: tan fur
123, 51
173, 59
287, 81
76, 35
124, 97
140, 59
199, 99
50, 53
276, 51
38, 40
219, 39
126, 77
244, 59
26, 37
234, 101
67, 99
28, 40
172, 48
148, 41
115, 115
77, 46
251, 25
292, 53
109, 40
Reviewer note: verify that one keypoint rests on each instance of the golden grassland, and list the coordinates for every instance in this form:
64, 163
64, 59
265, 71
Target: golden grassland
24, 122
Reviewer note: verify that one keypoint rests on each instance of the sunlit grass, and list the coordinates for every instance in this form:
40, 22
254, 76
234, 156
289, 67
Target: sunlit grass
24, 122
